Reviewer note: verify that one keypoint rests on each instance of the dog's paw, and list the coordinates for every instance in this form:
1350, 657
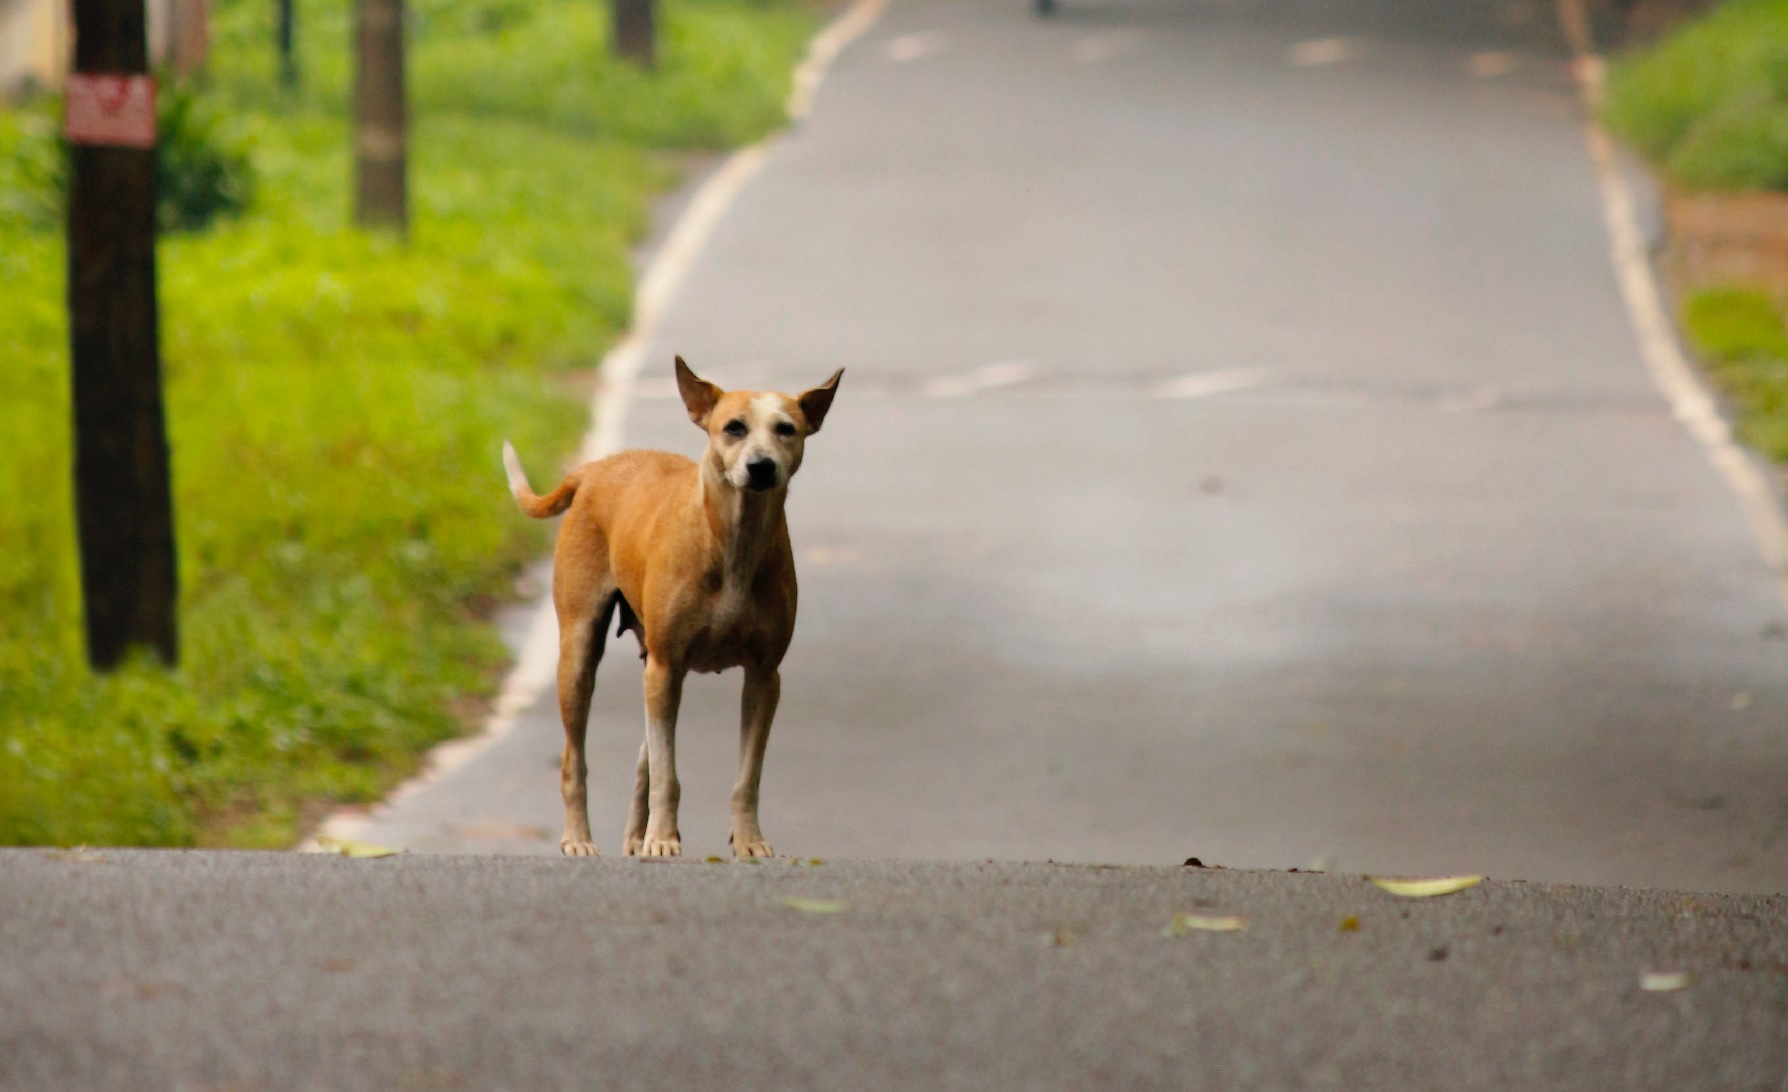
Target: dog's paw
752, 847
661, 847
572, 848
630, 847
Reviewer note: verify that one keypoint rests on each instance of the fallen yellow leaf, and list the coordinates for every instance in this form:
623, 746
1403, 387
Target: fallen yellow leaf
716, 860
1426, 889
1186, 923
1350, 924
815, 906
349, 848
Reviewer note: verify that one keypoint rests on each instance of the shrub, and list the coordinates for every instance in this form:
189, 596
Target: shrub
1710, 103
202, 171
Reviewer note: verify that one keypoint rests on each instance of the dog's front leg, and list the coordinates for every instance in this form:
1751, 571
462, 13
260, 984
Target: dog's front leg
664, 692
757, 708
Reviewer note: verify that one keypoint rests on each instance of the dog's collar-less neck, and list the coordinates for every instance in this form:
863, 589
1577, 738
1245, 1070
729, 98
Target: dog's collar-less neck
743, 522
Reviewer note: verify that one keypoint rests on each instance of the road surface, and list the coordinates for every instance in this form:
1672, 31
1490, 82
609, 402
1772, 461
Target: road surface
242, 971
1243, 452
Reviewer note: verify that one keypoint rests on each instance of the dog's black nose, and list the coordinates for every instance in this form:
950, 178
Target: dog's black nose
762, 473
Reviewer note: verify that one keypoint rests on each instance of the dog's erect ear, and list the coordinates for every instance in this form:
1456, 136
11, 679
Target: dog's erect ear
816, 402
699, 395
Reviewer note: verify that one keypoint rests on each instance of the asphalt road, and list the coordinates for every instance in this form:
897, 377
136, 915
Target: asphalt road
1243, 452
244, 971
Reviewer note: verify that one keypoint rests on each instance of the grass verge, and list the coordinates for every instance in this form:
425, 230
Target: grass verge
1739, 334
335, 404
1709, 104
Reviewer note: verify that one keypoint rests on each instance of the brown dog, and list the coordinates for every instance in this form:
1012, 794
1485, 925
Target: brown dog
696, 558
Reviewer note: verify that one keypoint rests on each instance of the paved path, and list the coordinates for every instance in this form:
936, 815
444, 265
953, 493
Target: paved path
1243, 452
147, 970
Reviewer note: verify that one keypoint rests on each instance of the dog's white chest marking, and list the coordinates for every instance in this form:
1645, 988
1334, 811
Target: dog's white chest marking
729, 606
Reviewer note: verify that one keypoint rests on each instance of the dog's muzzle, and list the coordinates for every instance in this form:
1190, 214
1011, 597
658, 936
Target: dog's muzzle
760, 474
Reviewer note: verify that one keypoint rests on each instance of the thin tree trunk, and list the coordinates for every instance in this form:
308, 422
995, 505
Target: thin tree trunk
285, 34
635, 32
123, 504
381, 188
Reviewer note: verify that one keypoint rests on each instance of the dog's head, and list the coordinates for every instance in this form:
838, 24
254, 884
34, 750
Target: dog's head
755, 438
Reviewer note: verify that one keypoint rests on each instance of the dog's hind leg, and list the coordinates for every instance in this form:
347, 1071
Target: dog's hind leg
639, 809
641, 806
584, 614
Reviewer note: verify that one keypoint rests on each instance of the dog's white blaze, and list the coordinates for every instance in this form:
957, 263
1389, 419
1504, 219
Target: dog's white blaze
767, 410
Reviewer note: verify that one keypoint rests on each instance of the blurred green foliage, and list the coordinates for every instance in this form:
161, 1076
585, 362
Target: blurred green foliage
1739, 333
336, 402
203, 170
1710, 103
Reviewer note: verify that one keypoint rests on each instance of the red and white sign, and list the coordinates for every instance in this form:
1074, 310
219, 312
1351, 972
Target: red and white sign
115, 110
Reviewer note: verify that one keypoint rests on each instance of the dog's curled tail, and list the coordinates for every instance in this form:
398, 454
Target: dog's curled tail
534, 505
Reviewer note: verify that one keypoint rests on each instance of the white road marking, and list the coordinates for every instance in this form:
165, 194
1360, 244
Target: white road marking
1204, 384
1320, 51
536, 668
911, 47
1488, 66
1097, 48
832, 555
1475, 400
1690, 400
985, 378
824, 49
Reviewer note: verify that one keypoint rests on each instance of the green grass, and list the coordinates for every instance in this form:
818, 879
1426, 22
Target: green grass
335, 404
1739, 333
1709, 104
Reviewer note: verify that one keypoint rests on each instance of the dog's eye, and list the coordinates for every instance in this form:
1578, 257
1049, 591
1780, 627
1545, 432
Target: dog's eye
736, 429
785, 428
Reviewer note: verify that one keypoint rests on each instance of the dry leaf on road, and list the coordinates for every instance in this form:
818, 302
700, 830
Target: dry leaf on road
815, 906
1186, 923
350, 848
1426, 889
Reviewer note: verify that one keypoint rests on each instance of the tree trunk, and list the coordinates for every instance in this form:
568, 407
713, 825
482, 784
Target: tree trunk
189, 46
635, 35
381, 189
284, 34
123, 504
